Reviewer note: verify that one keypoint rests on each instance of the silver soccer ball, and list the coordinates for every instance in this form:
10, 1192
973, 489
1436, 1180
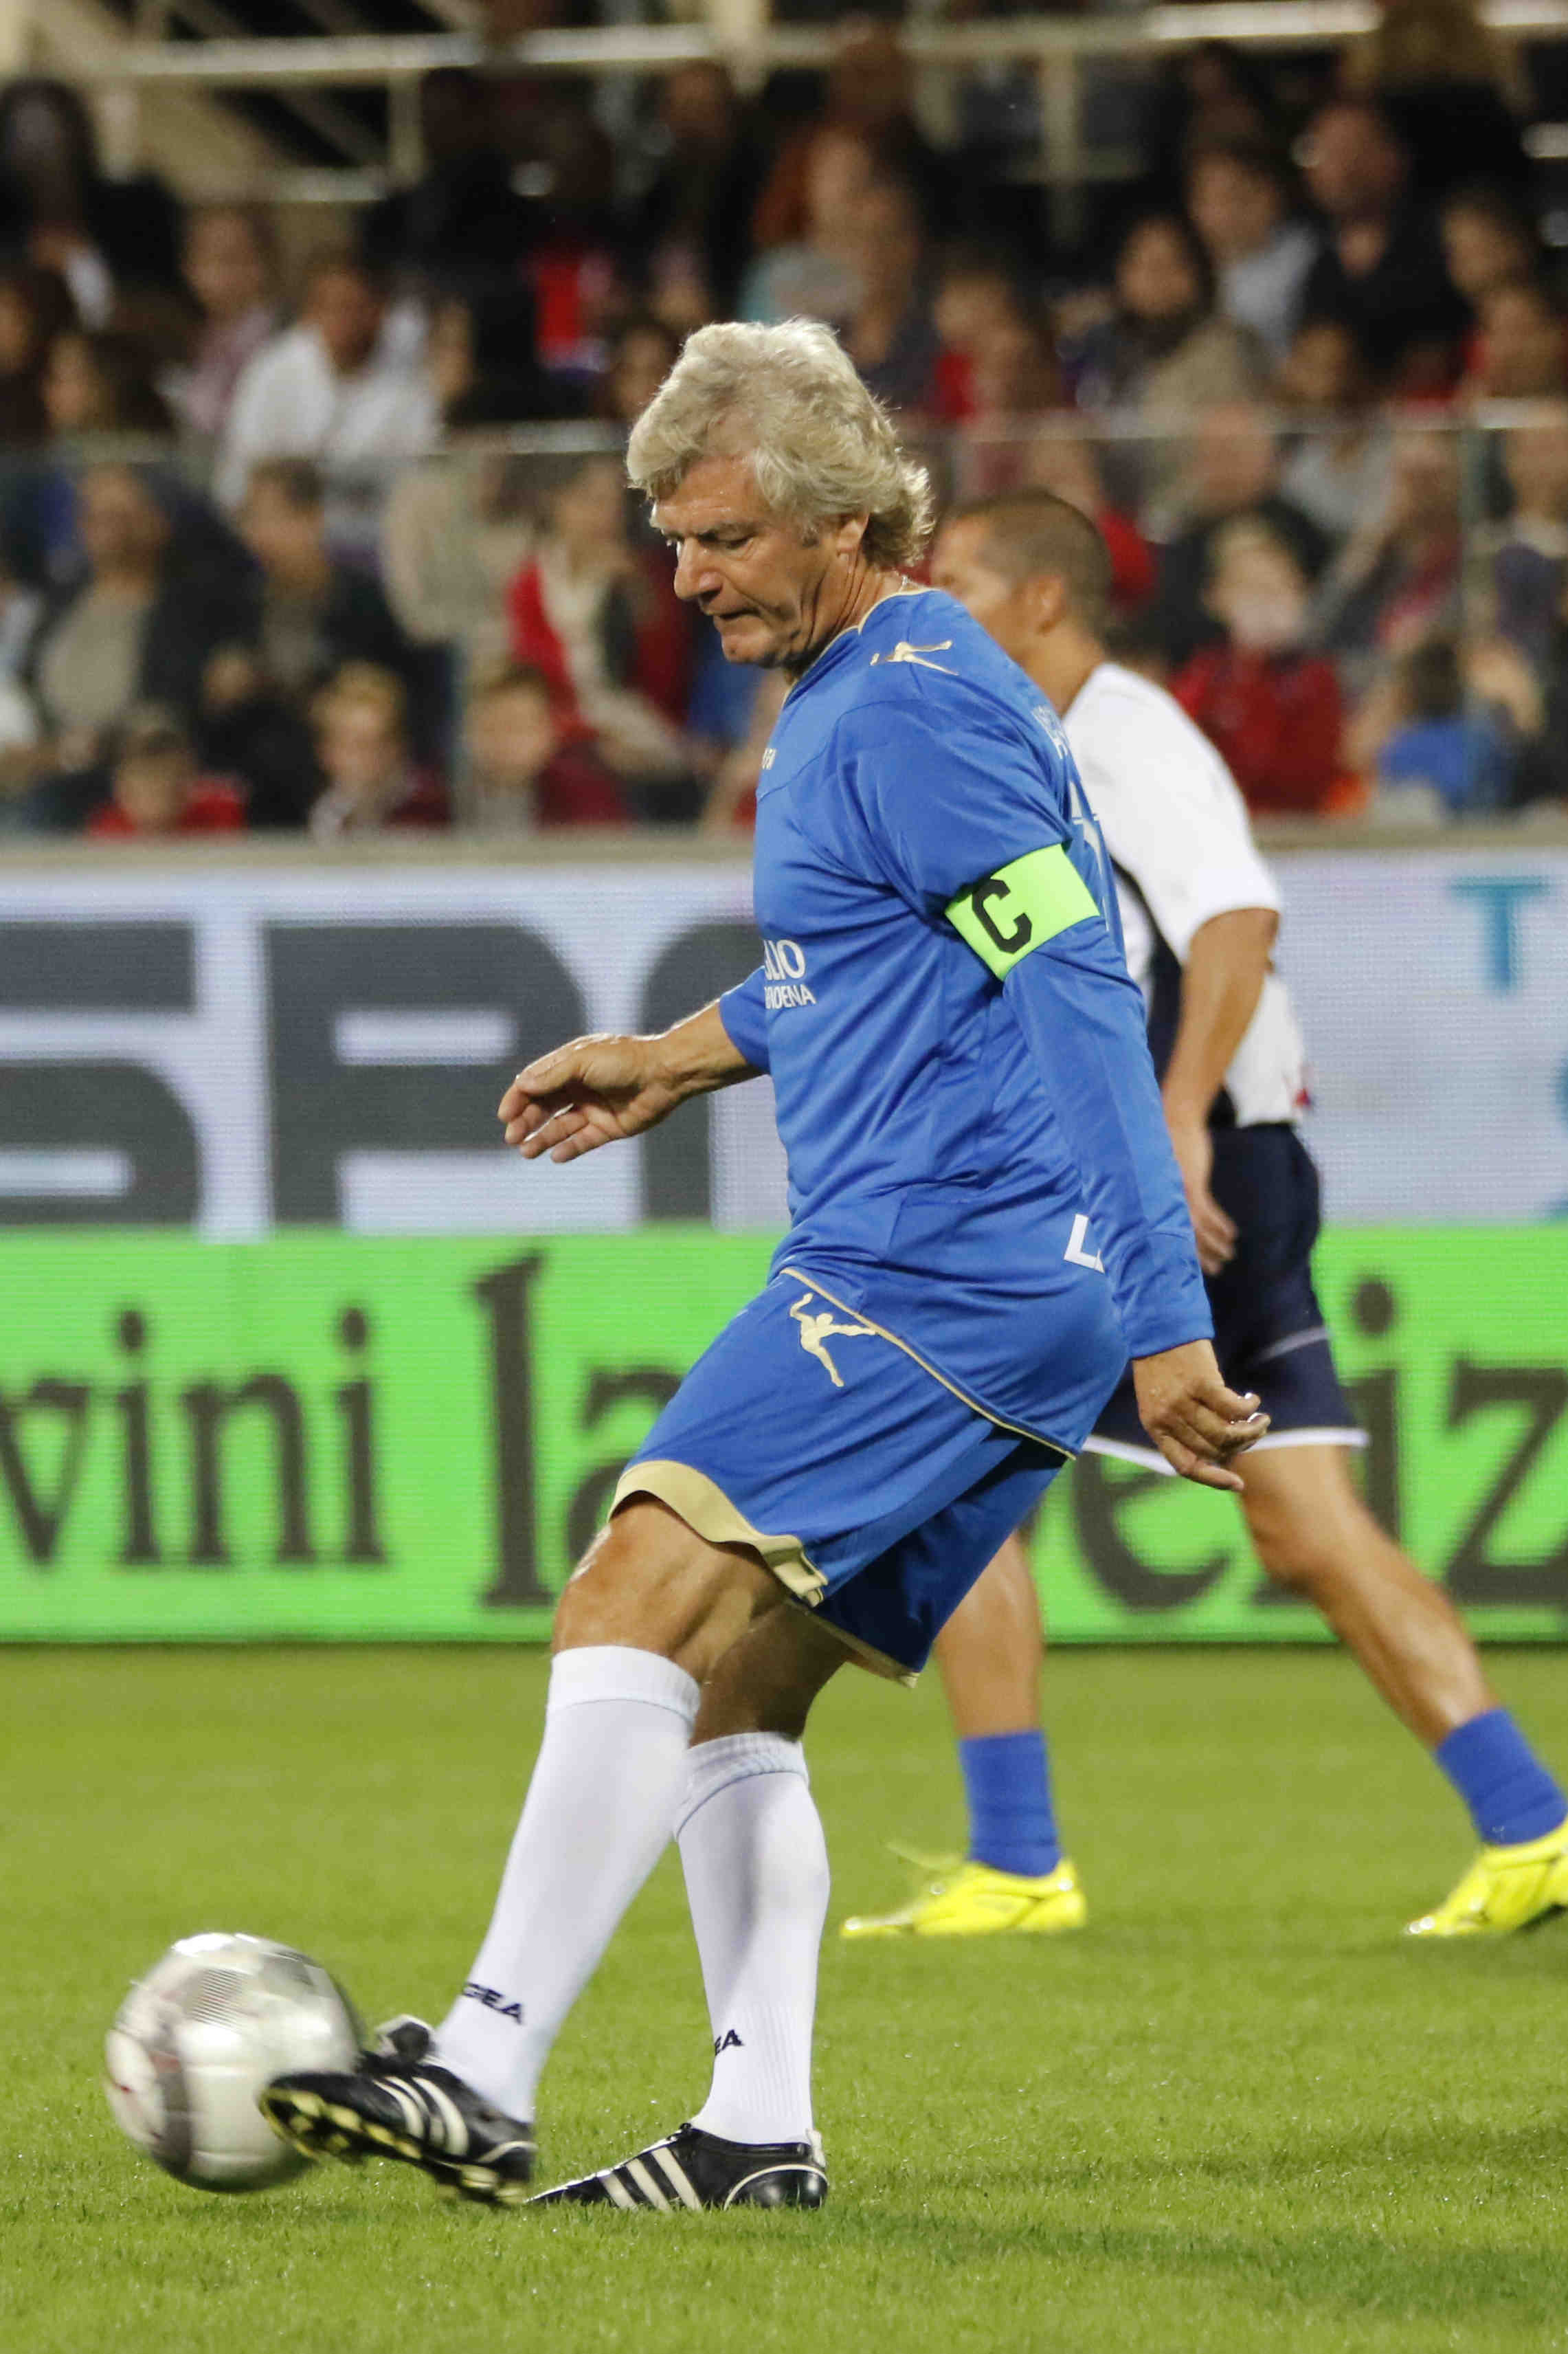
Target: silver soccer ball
199, 2038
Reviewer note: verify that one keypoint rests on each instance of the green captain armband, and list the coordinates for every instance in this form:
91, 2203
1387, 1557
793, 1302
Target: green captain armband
1005, 916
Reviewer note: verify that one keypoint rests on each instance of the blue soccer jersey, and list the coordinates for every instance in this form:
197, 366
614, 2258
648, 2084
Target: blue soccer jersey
977, 1160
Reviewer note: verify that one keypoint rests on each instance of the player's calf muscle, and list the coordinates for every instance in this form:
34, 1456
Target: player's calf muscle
650, 1583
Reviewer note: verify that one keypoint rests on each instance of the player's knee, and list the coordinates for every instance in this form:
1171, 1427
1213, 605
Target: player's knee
767, 1681
1297, 1555
650, 1583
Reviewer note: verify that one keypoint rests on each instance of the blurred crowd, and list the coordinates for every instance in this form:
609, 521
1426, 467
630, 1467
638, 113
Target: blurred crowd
280, 545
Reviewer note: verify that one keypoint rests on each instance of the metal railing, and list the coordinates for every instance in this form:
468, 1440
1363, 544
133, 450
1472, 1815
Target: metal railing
1493, 601
739, 35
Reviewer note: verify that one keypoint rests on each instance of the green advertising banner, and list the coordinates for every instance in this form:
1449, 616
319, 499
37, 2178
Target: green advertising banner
331, 1437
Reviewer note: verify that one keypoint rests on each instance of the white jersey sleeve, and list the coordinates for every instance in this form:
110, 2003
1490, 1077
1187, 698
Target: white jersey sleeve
1177, 831
1169, 808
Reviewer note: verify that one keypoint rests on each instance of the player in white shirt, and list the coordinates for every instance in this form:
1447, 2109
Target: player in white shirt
1199, 913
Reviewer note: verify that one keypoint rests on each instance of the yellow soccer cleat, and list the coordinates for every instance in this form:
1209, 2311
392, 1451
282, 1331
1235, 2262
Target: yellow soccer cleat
973, 1900
1506, 1888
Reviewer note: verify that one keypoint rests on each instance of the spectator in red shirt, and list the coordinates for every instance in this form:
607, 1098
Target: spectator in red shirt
975, 296
1273, 710
155, 788
600, 617
362, 741
521, 777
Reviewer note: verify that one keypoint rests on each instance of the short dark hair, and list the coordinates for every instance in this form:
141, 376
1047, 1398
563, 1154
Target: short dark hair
1029, 533
297, 480
642, 322
1176, 223
1370, 107
515, 678
153, 731
1248, 153
256, 220
1433, 682
342, 262
1493, 202
1534, 290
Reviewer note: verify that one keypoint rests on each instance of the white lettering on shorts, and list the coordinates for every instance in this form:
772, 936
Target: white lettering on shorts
1077, 1252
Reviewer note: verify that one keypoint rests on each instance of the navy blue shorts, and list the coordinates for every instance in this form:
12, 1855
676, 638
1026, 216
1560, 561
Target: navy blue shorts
1269, 1333
872, 1491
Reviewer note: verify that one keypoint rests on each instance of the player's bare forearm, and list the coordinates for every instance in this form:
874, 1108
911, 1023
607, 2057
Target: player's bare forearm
604, 1088
1221, 981
1195, 1421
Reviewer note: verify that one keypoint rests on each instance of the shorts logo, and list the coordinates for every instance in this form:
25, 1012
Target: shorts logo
816, 1331
784, 975
729, 2041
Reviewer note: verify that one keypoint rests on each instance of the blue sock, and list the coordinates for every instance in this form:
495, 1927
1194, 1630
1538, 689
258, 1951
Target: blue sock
1008, 1785
1511, 1794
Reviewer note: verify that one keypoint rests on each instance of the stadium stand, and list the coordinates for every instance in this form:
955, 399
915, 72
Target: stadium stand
271, 428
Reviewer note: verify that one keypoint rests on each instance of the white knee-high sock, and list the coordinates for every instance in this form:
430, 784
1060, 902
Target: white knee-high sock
594, 1822
757, 1879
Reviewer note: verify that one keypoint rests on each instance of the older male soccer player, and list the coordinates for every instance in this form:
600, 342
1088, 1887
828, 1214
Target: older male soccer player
987, 1222
1201, 911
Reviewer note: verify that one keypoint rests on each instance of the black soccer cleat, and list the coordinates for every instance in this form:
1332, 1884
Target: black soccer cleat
401, 2104
694, 2168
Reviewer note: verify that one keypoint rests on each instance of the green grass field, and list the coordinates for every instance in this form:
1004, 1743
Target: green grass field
1236, 2113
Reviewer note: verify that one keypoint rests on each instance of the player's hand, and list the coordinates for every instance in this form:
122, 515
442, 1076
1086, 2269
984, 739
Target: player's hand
1213, 1230
1194, 1420
594, 1091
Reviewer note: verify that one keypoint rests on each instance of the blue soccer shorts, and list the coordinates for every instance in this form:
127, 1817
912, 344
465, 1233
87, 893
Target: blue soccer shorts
871, 1490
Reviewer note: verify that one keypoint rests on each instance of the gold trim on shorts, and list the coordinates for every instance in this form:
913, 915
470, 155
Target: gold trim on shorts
987, 1413
867, 1655
703, 1506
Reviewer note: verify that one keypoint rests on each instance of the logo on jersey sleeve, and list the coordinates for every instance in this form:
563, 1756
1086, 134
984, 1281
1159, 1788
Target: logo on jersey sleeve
904, 653
784, 976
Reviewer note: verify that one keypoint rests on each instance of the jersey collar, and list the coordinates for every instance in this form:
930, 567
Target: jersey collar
846, 637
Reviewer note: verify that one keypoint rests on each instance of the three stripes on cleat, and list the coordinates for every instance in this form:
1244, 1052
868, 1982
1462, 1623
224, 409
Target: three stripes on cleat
633, 2183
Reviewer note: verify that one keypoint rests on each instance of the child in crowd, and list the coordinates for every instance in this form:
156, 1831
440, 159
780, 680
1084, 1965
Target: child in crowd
1488, 243
1272, 708
1440, 743
156, 788
102, 383
522, 778
362, 742
975, 301
1521, 348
